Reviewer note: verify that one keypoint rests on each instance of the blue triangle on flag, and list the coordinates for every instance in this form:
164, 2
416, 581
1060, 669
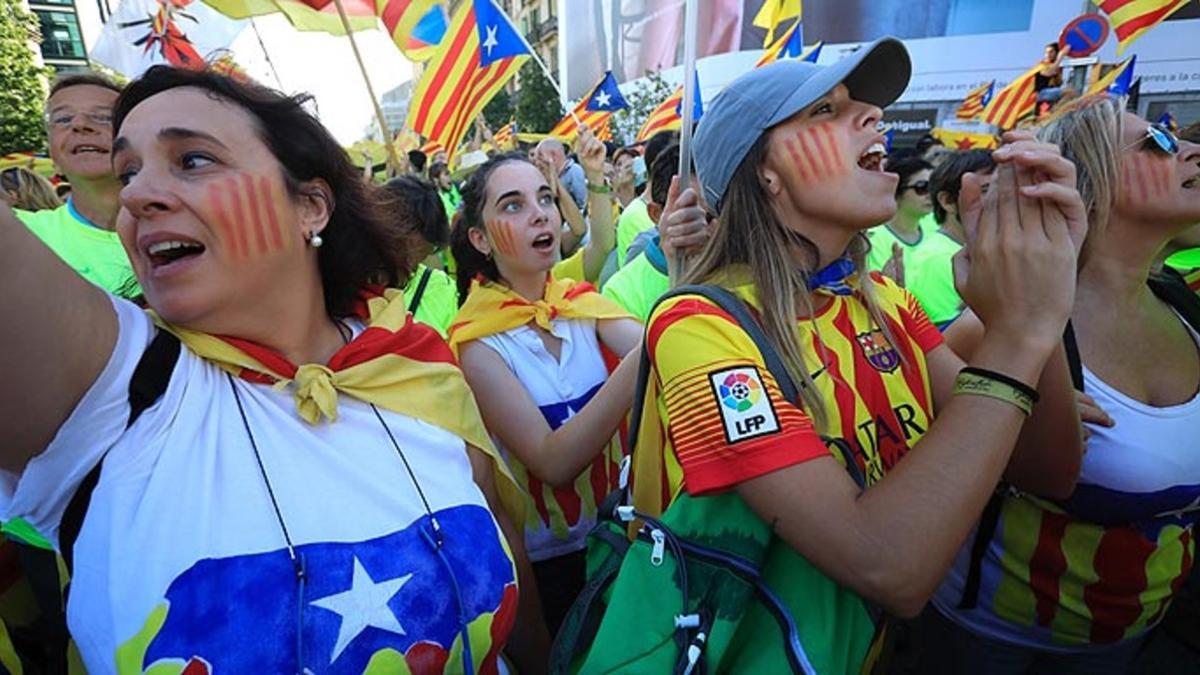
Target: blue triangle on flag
606, 97
498, 39
794, 46
1121, 85
987, 95
697, 105
816, 53
432, 27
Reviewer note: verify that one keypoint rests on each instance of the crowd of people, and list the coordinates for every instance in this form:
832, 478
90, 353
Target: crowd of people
821, 406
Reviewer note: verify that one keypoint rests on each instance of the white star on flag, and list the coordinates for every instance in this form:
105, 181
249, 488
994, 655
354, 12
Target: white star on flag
603, 99
364, 605
490, 42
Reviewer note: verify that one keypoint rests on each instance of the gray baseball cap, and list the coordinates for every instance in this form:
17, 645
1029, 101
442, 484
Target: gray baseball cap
760, 99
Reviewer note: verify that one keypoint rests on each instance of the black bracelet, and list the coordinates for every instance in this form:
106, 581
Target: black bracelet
1001, 377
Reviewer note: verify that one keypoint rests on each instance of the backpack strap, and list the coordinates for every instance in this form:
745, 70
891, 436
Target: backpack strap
1170, 287
417, 294
149, 382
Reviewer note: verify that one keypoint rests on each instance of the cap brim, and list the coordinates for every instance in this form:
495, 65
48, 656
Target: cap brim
876, 74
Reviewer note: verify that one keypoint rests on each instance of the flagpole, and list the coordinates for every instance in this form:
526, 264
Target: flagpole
267, 55
393, 158
546, 71
686, 113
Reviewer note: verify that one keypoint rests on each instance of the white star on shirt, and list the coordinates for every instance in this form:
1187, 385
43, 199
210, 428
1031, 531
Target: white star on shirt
490, 42
364, 605
603, 99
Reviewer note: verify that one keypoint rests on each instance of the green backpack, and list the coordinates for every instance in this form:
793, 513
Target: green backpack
687, 594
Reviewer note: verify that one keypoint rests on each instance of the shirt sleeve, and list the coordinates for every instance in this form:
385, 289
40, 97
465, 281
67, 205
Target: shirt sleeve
725, 416
41, 492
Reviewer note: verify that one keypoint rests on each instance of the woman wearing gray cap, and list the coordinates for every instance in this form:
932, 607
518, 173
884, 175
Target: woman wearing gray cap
785, 156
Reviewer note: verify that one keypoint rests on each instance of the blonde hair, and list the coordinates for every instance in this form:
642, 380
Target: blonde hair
1088, 133
780, 262
27, 190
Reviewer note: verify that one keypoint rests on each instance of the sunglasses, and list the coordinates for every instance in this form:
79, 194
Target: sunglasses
920, 187
1158, 137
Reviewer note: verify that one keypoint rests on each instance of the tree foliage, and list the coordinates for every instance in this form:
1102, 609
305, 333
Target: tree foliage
648, 92
538, 107
22, 82
499, 110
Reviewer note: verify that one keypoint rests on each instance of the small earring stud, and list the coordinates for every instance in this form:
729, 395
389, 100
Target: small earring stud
315, 240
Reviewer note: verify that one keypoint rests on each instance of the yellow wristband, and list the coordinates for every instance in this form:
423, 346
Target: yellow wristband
980, 385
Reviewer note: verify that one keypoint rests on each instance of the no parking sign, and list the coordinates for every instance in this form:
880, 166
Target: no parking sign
1084, 35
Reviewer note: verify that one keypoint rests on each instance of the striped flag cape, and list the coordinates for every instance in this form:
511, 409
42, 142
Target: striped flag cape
1131, 19
506, 136
594, 110
790, 45
1117, 82
480, 53
975, 102
1013, 102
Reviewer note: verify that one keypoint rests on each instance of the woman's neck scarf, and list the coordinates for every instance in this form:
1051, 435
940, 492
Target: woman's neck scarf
492, 308
395, 364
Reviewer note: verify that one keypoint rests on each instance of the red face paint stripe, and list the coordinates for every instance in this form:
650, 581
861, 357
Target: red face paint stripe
254, 214
1139, 177
797, 160
278, 236
1163, 174
810, 159
239, 218
223, 223
814, 141
835, 149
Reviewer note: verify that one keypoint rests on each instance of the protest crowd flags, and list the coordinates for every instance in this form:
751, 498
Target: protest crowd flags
1130, 19
1118, 80
790, 45
1013, 102
774, 12
481, 51
505, 137
145, 33
416, 26
593, 110
976, 101
965, 140
668, 115
307, 16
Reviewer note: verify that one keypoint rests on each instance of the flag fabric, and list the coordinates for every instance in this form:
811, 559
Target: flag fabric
790, 45
697, 102
180, 33
481, 51
1131, 19
432, 148
1168, 121
774, 12
1117, 82
976, 101
662, 118
314, 15
506, 137
594, 110
416, 26
1012, 102
965, 140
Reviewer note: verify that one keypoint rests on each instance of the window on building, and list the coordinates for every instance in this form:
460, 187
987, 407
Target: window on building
60, 35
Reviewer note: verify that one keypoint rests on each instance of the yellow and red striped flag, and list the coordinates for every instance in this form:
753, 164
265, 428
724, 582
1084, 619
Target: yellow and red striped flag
594, 110
401, 18
1013, 102
505, 137
482, 50
1131, 19
1116, 82
314, 15
663, 118
975, 102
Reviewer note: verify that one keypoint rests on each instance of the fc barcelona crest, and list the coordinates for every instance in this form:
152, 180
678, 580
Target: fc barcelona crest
878, 351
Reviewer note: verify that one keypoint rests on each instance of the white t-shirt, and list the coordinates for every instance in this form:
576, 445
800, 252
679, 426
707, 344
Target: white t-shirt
181, 557
559, 520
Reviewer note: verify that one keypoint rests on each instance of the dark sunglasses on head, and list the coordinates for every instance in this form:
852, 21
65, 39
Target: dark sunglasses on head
920, 187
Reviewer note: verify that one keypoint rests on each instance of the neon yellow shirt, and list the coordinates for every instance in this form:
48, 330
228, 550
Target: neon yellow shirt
882, 239
1185, 260
929, 275
638, 285
94, 252
634, 220
438, 302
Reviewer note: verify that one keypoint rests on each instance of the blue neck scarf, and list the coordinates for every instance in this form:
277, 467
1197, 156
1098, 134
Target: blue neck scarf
832, 279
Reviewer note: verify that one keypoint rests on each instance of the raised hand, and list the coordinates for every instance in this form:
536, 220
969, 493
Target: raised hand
683, 224
591, 152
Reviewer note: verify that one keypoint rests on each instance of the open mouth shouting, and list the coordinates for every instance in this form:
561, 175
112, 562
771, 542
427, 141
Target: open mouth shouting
170, 253
544, 242
872, 158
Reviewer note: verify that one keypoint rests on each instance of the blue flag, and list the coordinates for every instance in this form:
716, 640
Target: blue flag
1121, 85
795, 44
498, 39
606, 97
698, 105
1168, 120
815, 53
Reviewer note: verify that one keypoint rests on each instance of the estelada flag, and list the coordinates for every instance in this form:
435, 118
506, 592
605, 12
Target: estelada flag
593, 110
1013, 102
480, 53
975, 102
965, 140
668, 115
180, 33
790, 45
505, 138
1131, 19
1117, 81
416, 26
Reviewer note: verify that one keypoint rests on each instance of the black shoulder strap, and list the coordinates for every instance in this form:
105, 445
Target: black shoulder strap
1074, 363
1170, 287
415, 302
149, 381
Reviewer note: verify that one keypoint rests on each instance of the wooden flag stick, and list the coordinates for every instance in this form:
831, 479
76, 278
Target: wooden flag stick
393, 158
686, 113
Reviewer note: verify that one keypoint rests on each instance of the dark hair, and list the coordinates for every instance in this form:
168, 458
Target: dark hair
361, 247
947, 177
906, 167
657, 143
416, 207
470, 262
1054, 46
665, 167
417, 159
437, 169
622, 152
926, 142
89, 77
